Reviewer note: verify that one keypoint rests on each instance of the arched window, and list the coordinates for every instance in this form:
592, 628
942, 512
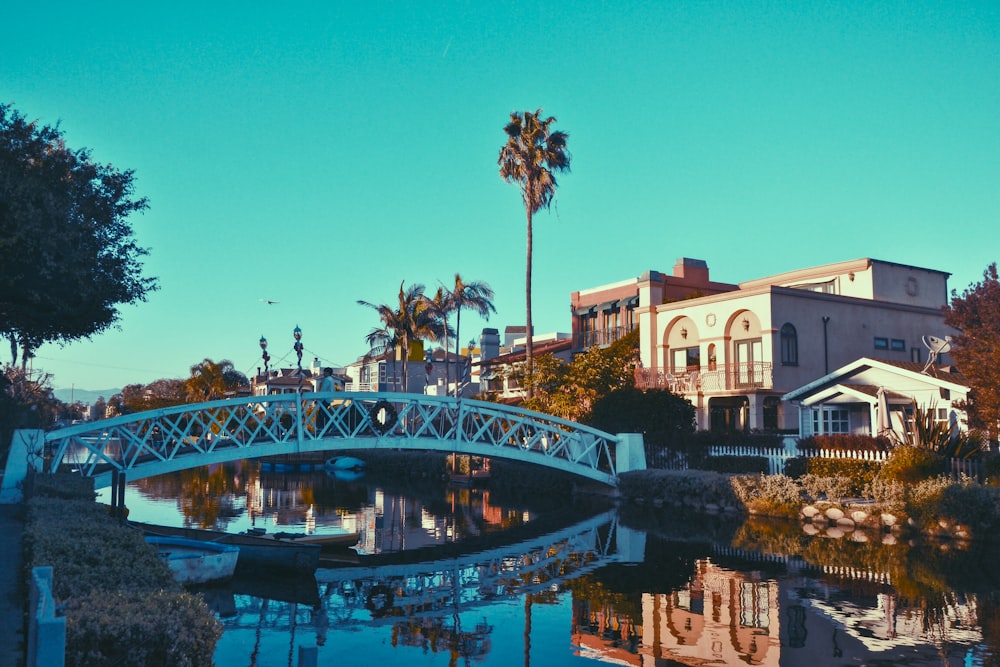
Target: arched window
789, 345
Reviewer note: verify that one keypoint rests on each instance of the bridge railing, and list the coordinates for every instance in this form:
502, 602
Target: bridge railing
299, 422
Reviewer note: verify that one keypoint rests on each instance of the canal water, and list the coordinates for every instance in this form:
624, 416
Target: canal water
456, 576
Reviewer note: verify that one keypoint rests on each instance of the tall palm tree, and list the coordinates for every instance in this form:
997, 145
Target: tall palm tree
442, 303
530, 158
476, 296
412, 319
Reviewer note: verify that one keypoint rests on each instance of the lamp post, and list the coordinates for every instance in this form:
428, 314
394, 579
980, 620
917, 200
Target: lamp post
298, 346
267, 358
264, 355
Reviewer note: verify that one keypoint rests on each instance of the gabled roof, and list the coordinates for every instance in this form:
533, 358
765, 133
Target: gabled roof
944, 377
547, 347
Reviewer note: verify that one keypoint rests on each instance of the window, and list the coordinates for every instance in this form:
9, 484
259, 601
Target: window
831, 421
897, 345
881, 343
685, 359
789, 345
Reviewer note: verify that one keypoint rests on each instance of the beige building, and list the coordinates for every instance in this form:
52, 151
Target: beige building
735, 354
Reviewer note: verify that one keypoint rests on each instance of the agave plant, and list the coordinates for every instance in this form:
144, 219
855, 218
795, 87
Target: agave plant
942, 438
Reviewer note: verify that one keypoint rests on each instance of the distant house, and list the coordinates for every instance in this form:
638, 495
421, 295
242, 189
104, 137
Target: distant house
496, 372
877, 397
291, 380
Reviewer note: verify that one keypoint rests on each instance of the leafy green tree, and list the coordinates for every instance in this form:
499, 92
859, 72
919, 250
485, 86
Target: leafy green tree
664, 419
25, 402
211, 380
530, 158
157, 394
66, 247
571, 390
413, 318
976, 348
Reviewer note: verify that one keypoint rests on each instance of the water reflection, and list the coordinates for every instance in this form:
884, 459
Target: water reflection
447, 577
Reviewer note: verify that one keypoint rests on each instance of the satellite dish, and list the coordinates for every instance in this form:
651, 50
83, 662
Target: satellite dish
936, 346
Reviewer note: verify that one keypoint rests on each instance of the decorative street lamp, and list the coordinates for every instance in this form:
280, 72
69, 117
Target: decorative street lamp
297, 332
298, 346
264, 355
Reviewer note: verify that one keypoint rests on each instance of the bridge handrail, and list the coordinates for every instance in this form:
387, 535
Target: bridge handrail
297, 421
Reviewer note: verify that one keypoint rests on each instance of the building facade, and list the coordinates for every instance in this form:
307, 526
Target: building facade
601, 315
734, 354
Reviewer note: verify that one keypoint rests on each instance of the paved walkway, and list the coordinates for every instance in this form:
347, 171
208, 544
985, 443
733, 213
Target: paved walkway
13, 591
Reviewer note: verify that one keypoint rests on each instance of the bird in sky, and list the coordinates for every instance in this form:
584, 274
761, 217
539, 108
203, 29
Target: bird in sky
268, 301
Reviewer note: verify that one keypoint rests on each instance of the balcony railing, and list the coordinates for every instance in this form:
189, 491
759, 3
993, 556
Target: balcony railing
726, 377
588, 339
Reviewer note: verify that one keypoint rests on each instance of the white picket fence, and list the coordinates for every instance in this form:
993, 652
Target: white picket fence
777, 456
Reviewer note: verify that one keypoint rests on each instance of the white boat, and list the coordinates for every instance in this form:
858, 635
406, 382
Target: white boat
195, 561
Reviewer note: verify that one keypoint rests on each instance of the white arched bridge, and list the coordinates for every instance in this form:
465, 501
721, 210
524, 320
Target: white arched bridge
160, 441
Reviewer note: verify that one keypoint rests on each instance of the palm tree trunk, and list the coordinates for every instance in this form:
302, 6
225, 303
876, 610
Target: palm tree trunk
529, 350
458, 343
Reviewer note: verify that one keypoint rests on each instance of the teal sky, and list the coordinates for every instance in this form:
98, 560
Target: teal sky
323, 154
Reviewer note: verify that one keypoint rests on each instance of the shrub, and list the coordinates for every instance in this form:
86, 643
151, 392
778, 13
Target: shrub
150, 628
888, 494
796, 466
991, 470
911, 464
123, 606
963, 502
771, 495
833, 489
679, 487
854, 473
845, 442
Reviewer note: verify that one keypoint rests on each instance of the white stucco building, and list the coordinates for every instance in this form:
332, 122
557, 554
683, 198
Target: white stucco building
735, 354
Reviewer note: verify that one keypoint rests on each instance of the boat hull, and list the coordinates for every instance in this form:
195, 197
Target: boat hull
257, 553
194, 561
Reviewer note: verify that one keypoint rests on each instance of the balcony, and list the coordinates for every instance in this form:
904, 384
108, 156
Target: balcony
587, 339
727, 377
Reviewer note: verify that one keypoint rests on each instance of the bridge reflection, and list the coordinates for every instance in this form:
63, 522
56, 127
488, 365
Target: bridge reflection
378, 592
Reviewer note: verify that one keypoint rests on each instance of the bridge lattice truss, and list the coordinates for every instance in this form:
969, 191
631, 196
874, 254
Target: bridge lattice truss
165, 440
380, 595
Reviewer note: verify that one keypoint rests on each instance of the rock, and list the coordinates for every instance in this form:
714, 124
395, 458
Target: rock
888, 519
859, 516
809, 511
834, 514
845, 523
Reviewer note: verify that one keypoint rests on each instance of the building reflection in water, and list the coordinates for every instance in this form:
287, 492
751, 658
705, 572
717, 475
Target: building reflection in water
732, 610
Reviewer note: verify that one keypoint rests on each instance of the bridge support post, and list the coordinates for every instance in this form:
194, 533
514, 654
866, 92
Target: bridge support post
25, 452
630, 453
